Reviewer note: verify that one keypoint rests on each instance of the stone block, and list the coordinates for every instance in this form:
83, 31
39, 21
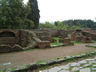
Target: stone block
17, 47
44, 44
5, 48
67, 41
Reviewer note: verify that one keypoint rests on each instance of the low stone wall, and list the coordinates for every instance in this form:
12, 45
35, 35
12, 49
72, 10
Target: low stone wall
8, 48
8, 40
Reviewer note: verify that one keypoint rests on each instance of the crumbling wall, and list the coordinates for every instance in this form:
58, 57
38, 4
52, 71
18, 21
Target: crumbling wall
11, 40
26, 39
9, 37
81, 35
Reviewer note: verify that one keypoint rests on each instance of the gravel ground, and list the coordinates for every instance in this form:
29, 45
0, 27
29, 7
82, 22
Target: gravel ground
26, 57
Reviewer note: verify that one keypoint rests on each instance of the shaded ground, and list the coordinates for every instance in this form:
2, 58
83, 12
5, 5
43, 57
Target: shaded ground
26, 57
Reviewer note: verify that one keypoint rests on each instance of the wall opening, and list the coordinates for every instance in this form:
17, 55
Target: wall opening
7, 34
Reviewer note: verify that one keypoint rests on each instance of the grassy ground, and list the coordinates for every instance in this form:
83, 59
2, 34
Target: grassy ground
57, 41
76, 42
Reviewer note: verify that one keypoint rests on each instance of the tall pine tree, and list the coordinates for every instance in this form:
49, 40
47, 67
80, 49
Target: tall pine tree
34, 14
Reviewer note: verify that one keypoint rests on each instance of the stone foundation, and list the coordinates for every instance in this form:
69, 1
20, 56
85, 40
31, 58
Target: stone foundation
44, 44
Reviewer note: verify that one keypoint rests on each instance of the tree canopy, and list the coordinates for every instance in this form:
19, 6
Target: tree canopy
14, 14
34, 13
69, 24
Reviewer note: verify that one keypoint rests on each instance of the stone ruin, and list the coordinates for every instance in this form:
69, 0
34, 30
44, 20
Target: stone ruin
11, 40
85, 35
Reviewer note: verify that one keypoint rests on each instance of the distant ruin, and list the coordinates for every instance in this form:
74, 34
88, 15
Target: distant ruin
85, 35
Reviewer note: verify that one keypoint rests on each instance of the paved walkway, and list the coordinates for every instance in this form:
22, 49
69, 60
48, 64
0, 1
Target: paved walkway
87, 65
26, 57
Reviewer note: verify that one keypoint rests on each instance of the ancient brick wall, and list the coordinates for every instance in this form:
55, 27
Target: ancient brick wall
9, 37
12, 40
84, 36
26, 38
44, 44
67, 41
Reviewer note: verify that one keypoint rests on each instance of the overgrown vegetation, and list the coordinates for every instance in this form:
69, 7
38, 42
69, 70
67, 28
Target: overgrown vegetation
69, 24
57, 42
14, 14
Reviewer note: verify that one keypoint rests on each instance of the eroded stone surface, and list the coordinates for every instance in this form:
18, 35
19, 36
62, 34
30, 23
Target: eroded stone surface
87, 65
64, 67
64, 71
74, 64
82, 62
55, 69
85, 70
75, 69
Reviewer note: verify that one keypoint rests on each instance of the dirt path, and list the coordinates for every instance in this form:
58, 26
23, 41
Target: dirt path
20, 58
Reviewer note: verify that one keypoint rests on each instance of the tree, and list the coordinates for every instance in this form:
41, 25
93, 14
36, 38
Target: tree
34, 14
13, 14
70, 24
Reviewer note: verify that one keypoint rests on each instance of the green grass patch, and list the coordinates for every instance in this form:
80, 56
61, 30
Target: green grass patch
39, 62
4, 70
57, 39
57, 42
77, 42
